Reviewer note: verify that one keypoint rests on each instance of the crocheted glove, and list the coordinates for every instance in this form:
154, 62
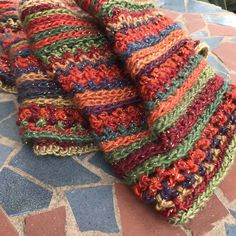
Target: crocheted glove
175, 169
46, 117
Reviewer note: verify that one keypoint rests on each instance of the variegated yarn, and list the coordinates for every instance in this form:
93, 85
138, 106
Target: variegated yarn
127, 81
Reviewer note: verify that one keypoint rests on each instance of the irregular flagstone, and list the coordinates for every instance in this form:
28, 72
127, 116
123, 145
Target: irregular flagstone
9, 129
228, 186
199, 34
6, 109
53, 170
173, 5
204, 221
93, 209
233, 78
172, 14
200, 7
230, 229
227, 20
217, 64
6, 227
220, 30
99, 160
227, 53
4, 152
193, 22
50, 223
233, 213
19, 195
139, 219
213, 42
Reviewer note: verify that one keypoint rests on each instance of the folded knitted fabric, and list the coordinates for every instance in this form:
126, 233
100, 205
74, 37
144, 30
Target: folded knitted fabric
173, 160
46, 116
184, 100
79, 56
187, 105
7, 79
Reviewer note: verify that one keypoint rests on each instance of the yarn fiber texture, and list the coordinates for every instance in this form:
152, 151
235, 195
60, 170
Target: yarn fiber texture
47, 118
120, 77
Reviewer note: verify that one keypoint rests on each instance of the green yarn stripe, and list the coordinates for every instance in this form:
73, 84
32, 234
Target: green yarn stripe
176, 82
122, 131
184, 216
181, 150
172, 116
56, 31
123, 152
51, 135
106, 10
70, 45
40, 14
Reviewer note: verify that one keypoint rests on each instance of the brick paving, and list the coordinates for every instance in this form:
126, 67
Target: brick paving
79, 195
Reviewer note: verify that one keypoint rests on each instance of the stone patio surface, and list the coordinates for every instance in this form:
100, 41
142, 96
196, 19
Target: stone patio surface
79, 195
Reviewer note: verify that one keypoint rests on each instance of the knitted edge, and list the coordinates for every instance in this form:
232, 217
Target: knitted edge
60, 151
7, 88
185, 216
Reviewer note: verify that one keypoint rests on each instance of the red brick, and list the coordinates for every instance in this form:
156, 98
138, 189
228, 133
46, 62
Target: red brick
227, 53
139, 219
228, 186
193, 22
6, 227
203, 221
220, 30
171, 14
51, 223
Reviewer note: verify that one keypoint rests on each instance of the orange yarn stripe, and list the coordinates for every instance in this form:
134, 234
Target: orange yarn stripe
118, 22
165, 106
145, 56
19, 46
31, 76
65, 35
34, 30
123, 141
98, 98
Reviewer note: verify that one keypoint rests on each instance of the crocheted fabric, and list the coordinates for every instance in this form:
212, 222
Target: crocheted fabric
46, 116
7, 79
79, 56
164, 119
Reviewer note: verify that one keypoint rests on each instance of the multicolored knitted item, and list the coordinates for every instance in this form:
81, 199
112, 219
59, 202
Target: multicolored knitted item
7, 79
46, 115
163, 118
78, 54
191, 110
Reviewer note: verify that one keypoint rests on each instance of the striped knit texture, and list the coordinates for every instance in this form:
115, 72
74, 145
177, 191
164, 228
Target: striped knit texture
188, 107
87, 70
164, 119
46, 116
